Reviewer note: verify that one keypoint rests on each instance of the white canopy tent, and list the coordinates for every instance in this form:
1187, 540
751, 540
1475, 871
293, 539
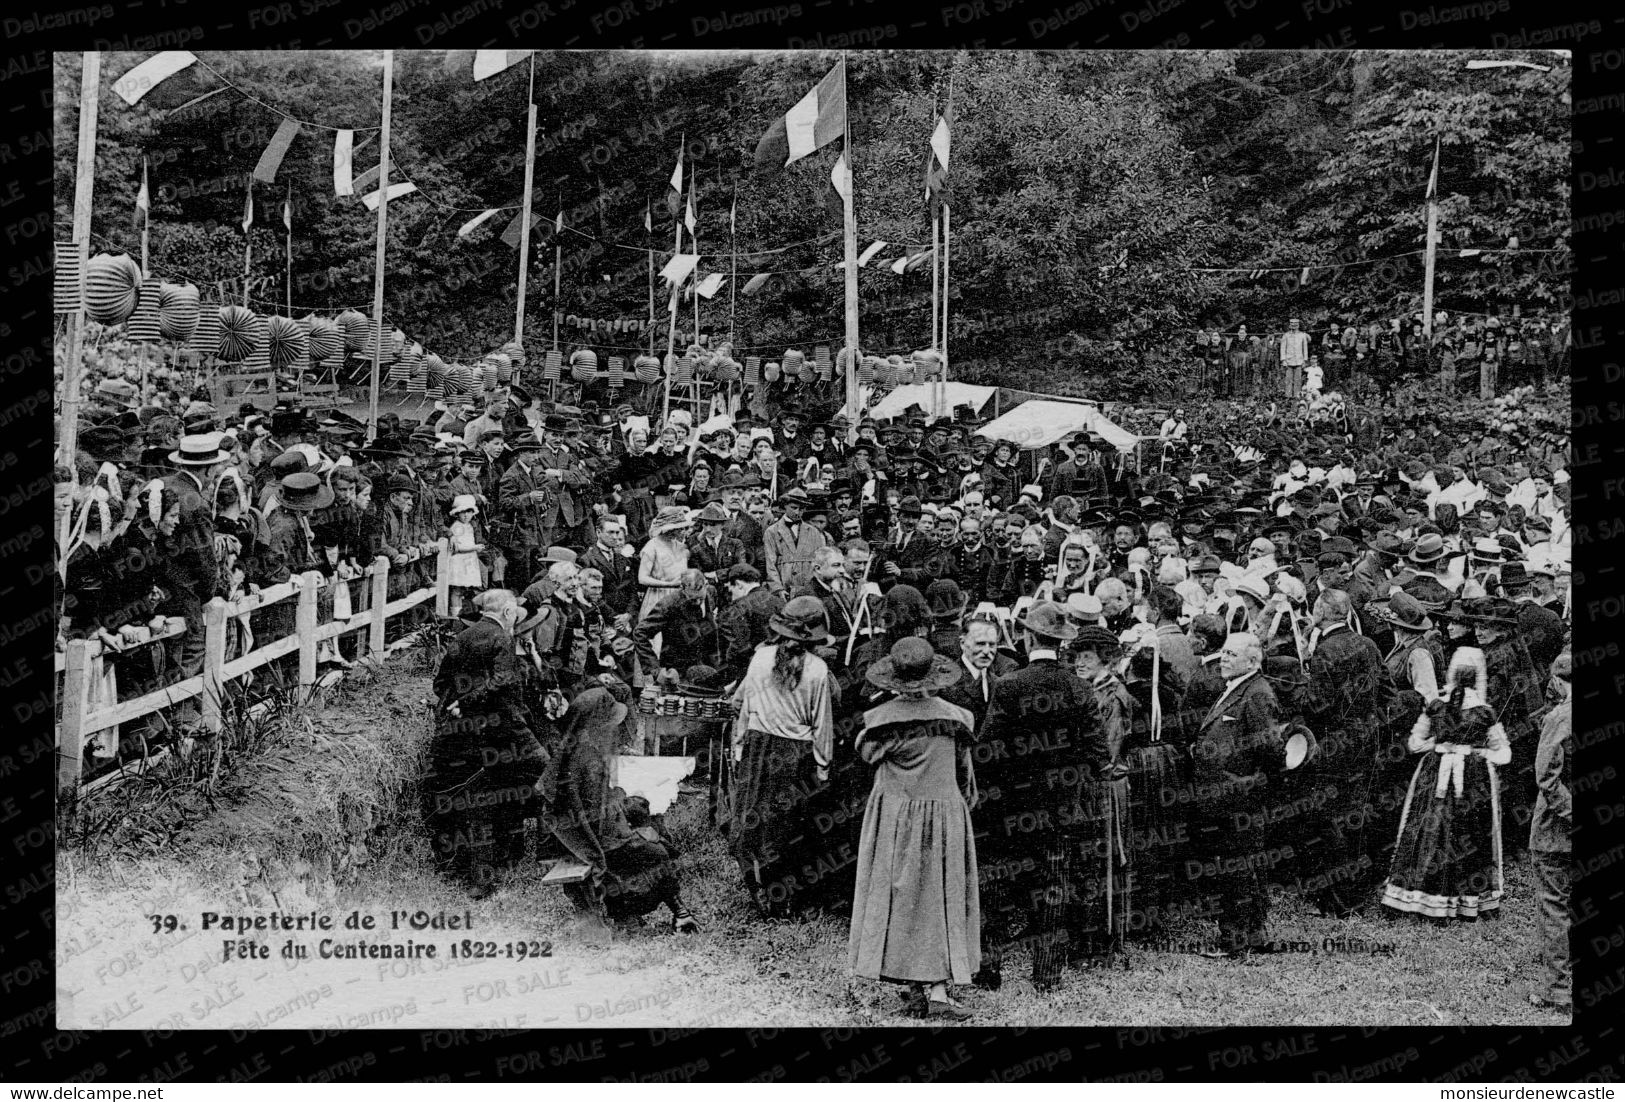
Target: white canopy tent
925, 395
1037, 424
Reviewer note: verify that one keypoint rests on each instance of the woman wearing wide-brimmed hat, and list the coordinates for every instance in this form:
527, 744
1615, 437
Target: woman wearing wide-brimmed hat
915, 913
783, 739
664, 558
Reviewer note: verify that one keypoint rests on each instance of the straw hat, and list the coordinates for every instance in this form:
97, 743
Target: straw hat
672, 518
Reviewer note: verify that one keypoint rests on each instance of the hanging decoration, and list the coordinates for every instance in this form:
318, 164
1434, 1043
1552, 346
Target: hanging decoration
178, 310
287, 342
646, 368
68, 278
237, 333
150, 73
112, 287
144, 322
326, 340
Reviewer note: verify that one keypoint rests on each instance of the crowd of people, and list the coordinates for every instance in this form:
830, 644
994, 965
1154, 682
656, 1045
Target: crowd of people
987, 700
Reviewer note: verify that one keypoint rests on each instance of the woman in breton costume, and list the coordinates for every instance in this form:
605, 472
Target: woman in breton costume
1447, 861
916, 914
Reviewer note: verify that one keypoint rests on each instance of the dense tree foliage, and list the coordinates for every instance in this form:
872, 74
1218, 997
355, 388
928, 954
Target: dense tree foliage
1085, 189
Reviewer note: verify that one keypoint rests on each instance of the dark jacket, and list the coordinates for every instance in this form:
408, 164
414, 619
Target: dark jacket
1236, 741
709, 560
480, 674
967, 694
1345, 688
688, 634
743, 625
620, 577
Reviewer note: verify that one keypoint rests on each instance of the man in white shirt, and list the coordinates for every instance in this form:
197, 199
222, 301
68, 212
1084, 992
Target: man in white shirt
1294, 355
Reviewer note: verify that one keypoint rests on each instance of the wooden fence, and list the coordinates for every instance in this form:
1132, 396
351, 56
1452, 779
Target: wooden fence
81, 666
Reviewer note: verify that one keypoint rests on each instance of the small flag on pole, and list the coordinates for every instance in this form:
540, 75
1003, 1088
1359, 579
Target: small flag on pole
1433, 177
678, 268
818, 119
936, 167
674, 198
143, 201
649, 216
733, 213
488, 63
343, 151
558, 223
840, 177
710, 285
689, 219
248, 207
287, 210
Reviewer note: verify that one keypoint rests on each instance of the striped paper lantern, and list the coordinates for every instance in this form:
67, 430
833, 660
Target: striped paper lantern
646, 368
397, 341
418, 381
886, 370
617, 372
683, 373
237, 333
459, 379
144, 322
67, 278
583, 365
928, 362
486, 373
307, 323
178, 311
770, 371
793, 359
821, 361
505, 367
728, 370
406, 365
753, 370
326, 340
287, 341
515, 353
437, 370
867, 369
371, 340
353, 324
552, 366
205, 340
259, 343
112, 287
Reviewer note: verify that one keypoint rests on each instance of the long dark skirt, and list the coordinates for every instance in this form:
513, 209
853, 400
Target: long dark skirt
1103, 900
1447, 862
1158, 784
771, 832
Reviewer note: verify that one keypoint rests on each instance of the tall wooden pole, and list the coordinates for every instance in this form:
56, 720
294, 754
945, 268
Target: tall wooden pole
649, 227
946, 222
851, 226
378, 270
90, 84
248, 240
694, 244
671, 333
1432, 247
524, 223
558, 272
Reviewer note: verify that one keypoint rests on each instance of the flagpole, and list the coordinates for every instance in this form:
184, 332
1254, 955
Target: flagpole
378, 263
1433, 233
733, 267
558, 272
947, 220
649, 228
248, 247
524, 224
694, 241
851, 227
671, 332
287, 219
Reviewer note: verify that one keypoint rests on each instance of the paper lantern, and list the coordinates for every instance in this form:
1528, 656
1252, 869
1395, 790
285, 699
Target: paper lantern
112, 287
552, 365
770, 371
369, 343
436, 370
646, 368
144, 322
821, 361
236, 334
506, 367
287, 343
683, 374
178, 310
728, 370
886, 370
584, 365
418, 381
259, 343
397, 341
307, 323
68, 279
867, 369
408, 364
617, 372
793, 359
326, 340
459, 379
515, 353
753, 370
353, 324
928, 362
205, 342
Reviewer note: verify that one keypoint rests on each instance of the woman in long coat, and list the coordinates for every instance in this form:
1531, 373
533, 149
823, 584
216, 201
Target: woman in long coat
1447, 862
916, 916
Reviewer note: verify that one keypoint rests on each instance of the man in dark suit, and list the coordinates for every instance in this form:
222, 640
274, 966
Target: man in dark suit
828, 583
971, 563
620, 571
1237, 744
743, 624
912, 559
685, 622
714, 551
1341, 697
1041, 744
984, 668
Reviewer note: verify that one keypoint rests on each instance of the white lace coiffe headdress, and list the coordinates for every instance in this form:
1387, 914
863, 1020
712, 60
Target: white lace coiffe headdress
1468, 664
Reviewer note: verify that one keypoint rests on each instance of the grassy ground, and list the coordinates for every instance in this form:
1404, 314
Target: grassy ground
742, 970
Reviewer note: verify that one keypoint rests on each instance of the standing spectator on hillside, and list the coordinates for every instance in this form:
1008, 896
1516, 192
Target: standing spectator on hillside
1294, 357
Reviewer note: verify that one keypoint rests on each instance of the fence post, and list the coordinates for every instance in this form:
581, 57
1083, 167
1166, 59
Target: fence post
305, 622
380, 597
442, 578
214, 659
70, 751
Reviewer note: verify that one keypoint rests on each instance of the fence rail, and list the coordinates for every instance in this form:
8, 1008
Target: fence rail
83, 664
